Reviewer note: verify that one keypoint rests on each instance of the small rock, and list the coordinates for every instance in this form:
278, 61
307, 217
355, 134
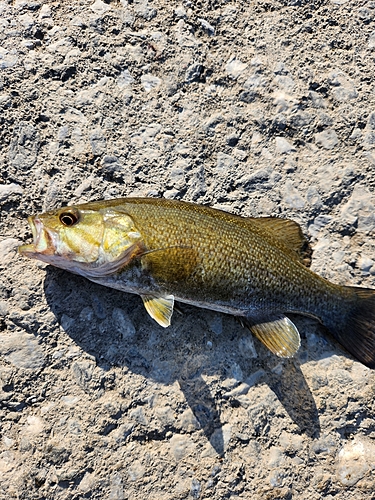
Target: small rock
150, 82
359, 210
45, 12
292, 196
27, 21
22, 350
98, 142
365, 263
195, 489
125, 79
136, 471
224, 163
123, 323
342, 87
235, 67
188, 422
7, 249
208, 28
327, 139
181, 446
99, 7
116, 487
70, 400
87, 483
194, 73
355, 460
218, 441
283, 146
276, 457
326, 445
8, 59
35, 425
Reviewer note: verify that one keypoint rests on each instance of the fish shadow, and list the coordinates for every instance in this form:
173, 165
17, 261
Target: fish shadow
96, 318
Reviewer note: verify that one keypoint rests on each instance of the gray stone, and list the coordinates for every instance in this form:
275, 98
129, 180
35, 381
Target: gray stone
235, 67
150, 82
355, 460
292, 196
283, 146
125, 79
22, 350
327, 139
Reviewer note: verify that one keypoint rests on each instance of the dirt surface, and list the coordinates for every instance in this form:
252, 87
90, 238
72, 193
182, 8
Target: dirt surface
259, 108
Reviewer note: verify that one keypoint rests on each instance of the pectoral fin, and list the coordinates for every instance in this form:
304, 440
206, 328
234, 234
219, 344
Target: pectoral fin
279, 335
159, 308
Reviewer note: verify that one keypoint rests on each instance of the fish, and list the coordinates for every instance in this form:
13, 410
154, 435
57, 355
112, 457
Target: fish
168, 250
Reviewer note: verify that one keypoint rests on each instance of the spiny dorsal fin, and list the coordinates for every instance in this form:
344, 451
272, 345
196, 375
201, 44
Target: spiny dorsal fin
288, 233
159, 308
280, 336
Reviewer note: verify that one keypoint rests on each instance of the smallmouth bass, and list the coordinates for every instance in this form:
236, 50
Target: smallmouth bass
166, 250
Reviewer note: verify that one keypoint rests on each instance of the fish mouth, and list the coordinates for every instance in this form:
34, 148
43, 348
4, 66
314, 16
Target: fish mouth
43, 240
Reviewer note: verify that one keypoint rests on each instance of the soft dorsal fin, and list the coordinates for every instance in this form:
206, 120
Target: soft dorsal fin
279, 335
159, 308
288, 233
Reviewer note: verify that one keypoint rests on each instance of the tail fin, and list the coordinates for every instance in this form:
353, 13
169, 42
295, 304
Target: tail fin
356, 329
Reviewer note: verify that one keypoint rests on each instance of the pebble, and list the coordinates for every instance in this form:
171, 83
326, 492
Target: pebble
7, 249
193, 73
355, 459
34, 425
123, 323
116, 491
283, 146
188, 422
359, 209
70, 400
136, 470
22, 350
99, 7
327, 139
181, 446
24, 146
292, 197
275, 457
195, 489
45, 12
208, 28
8, 59
235, 67
150, 82
365, 263
87, 483
326, 445
124, 79
343, 88
224, 163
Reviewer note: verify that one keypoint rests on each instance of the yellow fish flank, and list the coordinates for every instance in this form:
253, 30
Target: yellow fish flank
166, 250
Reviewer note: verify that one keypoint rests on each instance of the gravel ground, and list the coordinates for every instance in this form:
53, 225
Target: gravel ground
259, 108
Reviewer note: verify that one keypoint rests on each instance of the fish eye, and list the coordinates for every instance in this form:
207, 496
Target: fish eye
68, 219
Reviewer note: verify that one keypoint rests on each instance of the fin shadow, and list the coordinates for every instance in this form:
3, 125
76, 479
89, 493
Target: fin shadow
292, 390
160, 354
202, 404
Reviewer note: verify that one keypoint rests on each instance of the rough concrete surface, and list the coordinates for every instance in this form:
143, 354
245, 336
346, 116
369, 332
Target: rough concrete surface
257, 107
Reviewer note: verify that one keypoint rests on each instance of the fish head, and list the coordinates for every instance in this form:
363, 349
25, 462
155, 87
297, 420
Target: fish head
90, 242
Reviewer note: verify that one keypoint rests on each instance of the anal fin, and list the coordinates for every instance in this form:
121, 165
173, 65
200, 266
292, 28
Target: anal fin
279, 335
159, 308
